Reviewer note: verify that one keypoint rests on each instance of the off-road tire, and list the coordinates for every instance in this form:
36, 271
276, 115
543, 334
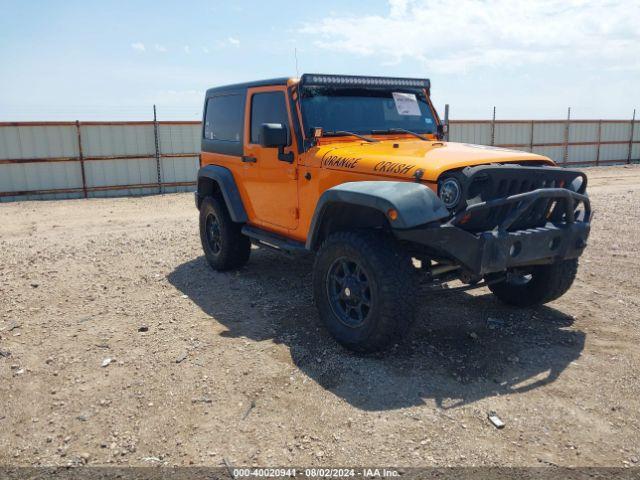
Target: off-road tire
547, 283
391, 280
233, 248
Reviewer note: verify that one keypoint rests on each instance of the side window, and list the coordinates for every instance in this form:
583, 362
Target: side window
268, 107
223, 119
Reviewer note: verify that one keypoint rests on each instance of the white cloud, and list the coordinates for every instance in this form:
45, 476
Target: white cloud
187, 49
228, 42
453, 36
160, 48
398, 8
138, 46
205, 50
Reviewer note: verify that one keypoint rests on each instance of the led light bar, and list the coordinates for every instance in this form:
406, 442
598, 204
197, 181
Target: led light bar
349, 80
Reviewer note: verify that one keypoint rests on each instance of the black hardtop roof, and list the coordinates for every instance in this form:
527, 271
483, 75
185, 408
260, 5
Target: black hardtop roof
244, 86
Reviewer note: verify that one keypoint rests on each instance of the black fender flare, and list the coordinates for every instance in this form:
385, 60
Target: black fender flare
226, 183
415, 203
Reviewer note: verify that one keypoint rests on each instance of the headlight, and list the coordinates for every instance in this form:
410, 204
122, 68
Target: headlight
576, 184
450, 192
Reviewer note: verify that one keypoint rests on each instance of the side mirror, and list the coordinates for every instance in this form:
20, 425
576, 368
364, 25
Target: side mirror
276, 135
273, 135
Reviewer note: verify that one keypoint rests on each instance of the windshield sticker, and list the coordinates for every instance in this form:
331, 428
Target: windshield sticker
406, 104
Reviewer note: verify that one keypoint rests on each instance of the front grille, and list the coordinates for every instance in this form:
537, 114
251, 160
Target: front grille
491, 182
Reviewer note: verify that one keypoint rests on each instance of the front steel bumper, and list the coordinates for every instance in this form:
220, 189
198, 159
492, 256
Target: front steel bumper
562, 237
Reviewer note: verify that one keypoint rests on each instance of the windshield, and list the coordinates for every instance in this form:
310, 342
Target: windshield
363, 111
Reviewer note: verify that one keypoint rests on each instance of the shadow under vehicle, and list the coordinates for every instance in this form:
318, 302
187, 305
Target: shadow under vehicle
462, 347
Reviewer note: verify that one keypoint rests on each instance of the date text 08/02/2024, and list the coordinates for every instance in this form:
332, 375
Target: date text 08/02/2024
315, 472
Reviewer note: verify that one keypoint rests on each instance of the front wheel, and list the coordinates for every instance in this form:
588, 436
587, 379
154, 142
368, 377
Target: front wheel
225, 247
536, 285
363, 286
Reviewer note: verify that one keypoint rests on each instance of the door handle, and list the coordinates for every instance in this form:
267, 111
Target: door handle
248, 159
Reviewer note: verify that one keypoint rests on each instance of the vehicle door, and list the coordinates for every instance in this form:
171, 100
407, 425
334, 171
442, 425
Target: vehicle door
271, 183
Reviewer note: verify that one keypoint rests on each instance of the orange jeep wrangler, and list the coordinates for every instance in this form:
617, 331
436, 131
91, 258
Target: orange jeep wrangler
355, 170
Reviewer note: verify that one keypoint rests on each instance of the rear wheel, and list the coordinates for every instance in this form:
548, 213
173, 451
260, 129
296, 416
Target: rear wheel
363, 287
536, 285
225, 247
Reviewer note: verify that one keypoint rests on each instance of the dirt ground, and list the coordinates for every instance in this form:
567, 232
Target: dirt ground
237, 367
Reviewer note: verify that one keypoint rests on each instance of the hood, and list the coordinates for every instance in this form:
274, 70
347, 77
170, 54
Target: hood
401, 158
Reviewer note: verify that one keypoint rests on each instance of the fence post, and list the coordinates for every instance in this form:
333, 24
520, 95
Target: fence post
531, 139
565, 154
446, 122
493, 127
599, 140
81, 160
633, 123
157, 145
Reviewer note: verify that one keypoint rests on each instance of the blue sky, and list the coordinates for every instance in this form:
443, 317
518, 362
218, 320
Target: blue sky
67, 60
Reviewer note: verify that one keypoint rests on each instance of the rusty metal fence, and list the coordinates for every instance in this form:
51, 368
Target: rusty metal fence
48, 160
567, 142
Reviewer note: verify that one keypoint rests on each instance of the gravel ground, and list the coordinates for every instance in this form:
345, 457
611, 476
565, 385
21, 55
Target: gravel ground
120, 346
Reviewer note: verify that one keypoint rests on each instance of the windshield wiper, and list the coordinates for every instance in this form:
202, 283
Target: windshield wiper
337, 133
400, 130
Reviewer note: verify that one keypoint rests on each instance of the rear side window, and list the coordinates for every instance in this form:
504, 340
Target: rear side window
223, 119
269, 107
